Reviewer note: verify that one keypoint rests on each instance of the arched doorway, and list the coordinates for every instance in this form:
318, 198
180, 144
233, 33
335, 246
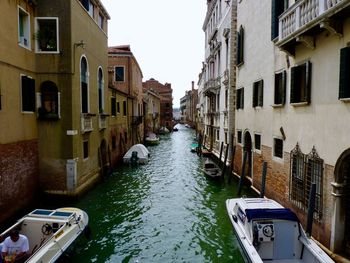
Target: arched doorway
248, 149
342, 214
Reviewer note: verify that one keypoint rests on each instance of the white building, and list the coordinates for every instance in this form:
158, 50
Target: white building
293, 110
214, 78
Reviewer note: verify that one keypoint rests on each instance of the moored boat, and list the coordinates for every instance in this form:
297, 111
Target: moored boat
268, 232
137, 153
50, 232
152, 139
212, 170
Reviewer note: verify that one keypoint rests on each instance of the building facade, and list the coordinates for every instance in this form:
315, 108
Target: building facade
53, 72
214, 77
152, 110
126, 97
292, 107
166, 101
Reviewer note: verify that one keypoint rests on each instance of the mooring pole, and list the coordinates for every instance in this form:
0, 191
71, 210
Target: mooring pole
240, 184
311, 209
263, 180
224, 164
221, 148
232, 161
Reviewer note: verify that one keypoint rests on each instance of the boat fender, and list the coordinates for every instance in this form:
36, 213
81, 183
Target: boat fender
87, 232
46, 229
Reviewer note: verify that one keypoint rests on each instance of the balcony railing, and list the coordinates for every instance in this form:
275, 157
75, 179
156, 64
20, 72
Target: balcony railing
212, 85
304, 15
102, 121
86, 122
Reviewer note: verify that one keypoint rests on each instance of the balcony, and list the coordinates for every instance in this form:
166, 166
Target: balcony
308, 17
86, 122
211, 85
102, 121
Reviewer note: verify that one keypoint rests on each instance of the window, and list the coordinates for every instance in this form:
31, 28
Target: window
226, 98
278, 148
239, 136
118, 107
23, 28
257, 141
226, 141
240, 98
305, 170
217, 134
49, 101
300, 86
100, 20
28, 94
258, 93
119, 73
124, 108
100, 91
218, 101
84, 86
240, 46
277, 9
344, 78
113, 106
280, 88
91, 9
85, 149
46, 35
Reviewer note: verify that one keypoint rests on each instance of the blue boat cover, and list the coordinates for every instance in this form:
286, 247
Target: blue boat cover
275, 213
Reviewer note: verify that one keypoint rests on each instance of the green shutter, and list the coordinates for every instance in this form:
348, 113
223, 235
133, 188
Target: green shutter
308, 76
238, 48
283, 87
344, 74
292, 84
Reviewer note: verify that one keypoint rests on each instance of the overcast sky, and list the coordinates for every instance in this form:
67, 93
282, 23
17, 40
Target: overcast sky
165, 36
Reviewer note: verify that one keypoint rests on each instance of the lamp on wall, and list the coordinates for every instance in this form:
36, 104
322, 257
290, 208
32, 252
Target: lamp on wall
80, 44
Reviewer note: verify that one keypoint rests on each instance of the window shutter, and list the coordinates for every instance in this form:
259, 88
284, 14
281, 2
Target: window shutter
32, 94
241, 34
283, 87
292, 84
242, 98
238, 48
261, 93
255, 91
59, 104
344, 74
308, 81
277, 8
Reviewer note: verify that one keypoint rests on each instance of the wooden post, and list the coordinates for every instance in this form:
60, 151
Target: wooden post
221, 148
311, 209
240, 184
233, 159
263, 180
224, 164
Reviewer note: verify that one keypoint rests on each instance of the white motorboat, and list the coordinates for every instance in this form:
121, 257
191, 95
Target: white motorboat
137, 153
152, 139
268, 232
50, 232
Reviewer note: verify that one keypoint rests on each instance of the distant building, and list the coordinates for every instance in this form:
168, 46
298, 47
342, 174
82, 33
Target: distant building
126, 98
166, 100
152, 110
188, 107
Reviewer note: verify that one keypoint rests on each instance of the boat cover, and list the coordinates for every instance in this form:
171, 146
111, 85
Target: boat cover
141, 150
276, 213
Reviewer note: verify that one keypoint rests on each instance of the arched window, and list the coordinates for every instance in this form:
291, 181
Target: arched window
84, 85
100, 91
49, 101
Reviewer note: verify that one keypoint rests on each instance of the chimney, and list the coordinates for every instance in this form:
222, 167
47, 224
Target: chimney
192, 85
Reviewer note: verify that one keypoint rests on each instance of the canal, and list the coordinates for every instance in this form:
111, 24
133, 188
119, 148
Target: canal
165, 211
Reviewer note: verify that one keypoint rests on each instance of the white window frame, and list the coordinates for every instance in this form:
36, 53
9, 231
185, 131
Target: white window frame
255, 149
37, 50
26, 30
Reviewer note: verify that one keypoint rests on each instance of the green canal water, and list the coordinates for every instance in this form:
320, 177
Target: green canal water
165, 211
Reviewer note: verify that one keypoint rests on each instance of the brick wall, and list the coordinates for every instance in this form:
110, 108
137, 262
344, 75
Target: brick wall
18, 176
277, 188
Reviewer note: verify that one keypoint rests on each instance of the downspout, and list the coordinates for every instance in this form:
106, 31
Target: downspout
232, 80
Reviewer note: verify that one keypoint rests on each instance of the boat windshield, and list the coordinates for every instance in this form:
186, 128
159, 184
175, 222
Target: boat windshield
276, 213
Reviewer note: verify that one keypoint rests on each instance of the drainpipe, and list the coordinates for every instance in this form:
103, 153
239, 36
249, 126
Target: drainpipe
232, 80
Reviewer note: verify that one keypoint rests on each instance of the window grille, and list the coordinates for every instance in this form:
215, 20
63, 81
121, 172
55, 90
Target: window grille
305, 170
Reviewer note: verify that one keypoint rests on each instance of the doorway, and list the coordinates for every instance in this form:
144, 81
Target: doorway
248, 149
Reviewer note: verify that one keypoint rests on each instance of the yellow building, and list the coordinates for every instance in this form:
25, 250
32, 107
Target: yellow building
53, 70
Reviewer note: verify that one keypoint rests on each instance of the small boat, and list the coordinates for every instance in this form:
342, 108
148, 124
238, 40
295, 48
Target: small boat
268, 232
152, 139
50, 232
163, 130
212, 170
137, 153
175, 129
